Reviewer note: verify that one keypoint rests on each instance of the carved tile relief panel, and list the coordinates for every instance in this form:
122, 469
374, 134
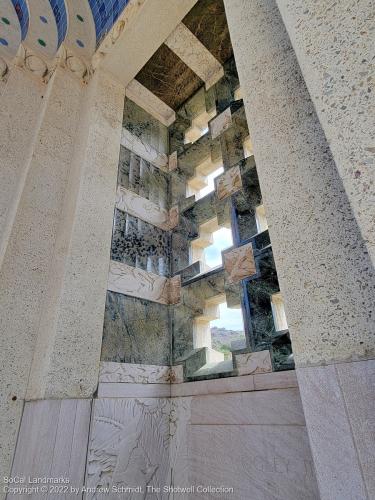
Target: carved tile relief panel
239, 263
128, 447
229, 183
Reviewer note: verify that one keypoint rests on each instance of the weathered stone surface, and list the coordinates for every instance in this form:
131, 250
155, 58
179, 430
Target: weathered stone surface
334, 47
294, 163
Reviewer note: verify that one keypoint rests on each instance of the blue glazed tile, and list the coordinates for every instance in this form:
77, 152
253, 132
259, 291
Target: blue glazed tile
105, 14
22, 11
59, 11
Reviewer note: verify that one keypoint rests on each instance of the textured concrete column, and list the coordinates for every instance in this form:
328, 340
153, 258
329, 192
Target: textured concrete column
325, 273
67, 353
54, 272
29, 253
334, 44
22, 103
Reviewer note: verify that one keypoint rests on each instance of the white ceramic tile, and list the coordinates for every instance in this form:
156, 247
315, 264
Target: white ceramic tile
133, 204
275, 380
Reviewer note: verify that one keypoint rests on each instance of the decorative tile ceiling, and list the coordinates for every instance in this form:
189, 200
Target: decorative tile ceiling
43, 25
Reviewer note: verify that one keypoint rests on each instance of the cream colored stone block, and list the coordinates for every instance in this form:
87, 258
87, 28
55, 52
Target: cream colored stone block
133, 204
52, 443
239, 263
173, 218
179, 421
174, 289
142, 284
257, 462
150, 103
253, 362
22, 109
338, 468
221, 123
216, 386
32, 230
229, 183
134, 373
275, 380
195, 55
137, 283
274, 407
129, 390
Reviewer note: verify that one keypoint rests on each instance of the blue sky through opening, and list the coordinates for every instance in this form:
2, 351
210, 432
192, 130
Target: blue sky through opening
231, 319
222, 240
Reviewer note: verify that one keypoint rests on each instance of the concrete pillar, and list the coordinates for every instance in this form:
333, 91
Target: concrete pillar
54, 271
22, 104
334, 44
67, 354
325, 273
